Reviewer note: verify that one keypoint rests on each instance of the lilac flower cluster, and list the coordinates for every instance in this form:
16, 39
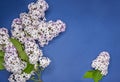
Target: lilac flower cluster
44, 62
12, 63
17, 77
33, 51
101, 62
29, 28
33, 25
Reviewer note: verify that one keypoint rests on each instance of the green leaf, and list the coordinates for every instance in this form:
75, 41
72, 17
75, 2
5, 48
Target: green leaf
17, 44
23, 56
94, 74
29, 68
1, 59
89, 74
97, 76
1, 63
1, 53
20, 49
2, 66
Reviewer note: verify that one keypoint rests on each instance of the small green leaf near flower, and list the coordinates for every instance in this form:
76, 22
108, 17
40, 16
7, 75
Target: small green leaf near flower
94, 74
1, 53
2, 66
20, 49
1, 60
97, 76
89, 74
29, 68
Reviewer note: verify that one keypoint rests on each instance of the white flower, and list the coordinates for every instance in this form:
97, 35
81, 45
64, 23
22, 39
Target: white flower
44, 61
43, 6
4, 37
29, 28
32, 6
101, 62
16, 77
12, 62
32, 51
33, 25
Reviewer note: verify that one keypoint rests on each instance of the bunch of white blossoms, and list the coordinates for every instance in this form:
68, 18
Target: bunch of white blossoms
4, 37
12, 62
101, 62
33, 32
33, 25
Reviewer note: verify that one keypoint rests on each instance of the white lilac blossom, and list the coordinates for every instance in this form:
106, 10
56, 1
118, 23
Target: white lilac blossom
100, 67
44, 62
33, 25
38, 30
32, 31
33, 51
101, 62
4, 37
37, 10
17, 77
12, 61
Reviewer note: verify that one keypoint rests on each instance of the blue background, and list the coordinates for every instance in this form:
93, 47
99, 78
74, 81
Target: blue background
92, 26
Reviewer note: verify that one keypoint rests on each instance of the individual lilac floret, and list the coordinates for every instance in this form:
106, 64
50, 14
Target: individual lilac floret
101, 62
44, 62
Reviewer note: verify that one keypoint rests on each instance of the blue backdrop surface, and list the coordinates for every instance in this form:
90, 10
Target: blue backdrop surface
92, 26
